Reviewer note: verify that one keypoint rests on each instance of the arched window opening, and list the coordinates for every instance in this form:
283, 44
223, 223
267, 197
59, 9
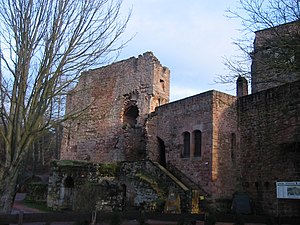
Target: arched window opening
130, 115
162, 83
186, 144
69, 182
197, 143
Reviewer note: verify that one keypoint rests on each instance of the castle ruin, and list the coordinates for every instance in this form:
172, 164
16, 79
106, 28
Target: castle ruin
212, 144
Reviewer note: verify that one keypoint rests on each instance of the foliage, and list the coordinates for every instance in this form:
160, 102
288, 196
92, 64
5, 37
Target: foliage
41, 151
107, 169
103, 169
42, 206
115, 219
86, 197
37, 192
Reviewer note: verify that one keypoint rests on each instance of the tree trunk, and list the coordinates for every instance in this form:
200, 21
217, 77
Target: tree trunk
8, 184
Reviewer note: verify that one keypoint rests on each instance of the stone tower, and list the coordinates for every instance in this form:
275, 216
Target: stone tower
275, 57
113, 103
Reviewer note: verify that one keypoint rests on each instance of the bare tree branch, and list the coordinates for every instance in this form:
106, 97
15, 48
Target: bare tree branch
256, 15
46, 45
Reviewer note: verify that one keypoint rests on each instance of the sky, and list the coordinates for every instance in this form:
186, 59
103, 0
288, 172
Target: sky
190, 37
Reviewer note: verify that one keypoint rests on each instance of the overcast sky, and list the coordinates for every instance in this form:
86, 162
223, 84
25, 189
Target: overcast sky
190, 37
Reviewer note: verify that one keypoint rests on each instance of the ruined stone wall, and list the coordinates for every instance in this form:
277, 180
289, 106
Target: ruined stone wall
275, 58
213, 114
116, 100
137, 184
269, 123
147, 185
165, 136
70, 180
224, 147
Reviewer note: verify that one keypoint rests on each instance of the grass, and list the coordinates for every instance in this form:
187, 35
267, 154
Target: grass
42, 206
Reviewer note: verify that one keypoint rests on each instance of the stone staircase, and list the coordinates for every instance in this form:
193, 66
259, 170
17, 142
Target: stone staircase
185, 180
149, 178
171, 176
194, 194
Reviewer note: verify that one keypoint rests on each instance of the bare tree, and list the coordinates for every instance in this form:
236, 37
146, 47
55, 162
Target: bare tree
46, 44
276, 45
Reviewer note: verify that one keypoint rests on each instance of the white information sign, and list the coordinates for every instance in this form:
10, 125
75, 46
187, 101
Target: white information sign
290, 190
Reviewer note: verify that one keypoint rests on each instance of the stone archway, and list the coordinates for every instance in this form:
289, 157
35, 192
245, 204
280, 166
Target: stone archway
67, 193
130, 115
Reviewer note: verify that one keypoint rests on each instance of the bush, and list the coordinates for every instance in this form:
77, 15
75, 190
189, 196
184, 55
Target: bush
86, 197
116, 219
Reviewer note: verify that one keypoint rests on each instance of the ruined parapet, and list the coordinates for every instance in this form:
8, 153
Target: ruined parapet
241, 86
275, 56
116, 100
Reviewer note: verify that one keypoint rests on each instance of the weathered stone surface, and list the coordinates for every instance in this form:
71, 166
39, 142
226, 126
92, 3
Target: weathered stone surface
68, 177
214, 114
138, 184
275, 58
269, 123
219, 144
115, 100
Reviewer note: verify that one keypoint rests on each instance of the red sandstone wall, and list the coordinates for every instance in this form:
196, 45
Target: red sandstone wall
275, 59
224, 171
270, 125
101, 132
212, 113
169, 123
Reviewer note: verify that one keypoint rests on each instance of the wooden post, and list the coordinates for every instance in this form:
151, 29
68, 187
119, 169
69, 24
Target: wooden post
21, 214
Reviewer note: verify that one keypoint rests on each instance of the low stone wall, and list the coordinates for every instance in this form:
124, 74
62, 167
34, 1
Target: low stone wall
70, 180
147, 183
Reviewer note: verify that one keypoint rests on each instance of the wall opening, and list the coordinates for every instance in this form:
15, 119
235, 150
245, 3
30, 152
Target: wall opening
162, 152
186, 144
69, 182
162, 83
130, 116
197, 143
67, 193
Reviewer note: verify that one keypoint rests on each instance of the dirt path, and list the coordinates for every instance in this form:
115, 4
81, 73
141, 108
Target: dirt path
19, 206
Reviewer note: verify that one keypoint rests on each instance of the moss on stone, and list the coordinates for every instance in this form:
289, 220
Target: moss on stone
159, 187
107, 169
70, 163
102, 169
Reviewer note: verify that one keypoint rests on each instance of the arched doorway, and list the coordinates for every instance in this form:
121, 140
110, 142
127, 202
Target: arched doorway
67, 193
130, 116
162, 152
